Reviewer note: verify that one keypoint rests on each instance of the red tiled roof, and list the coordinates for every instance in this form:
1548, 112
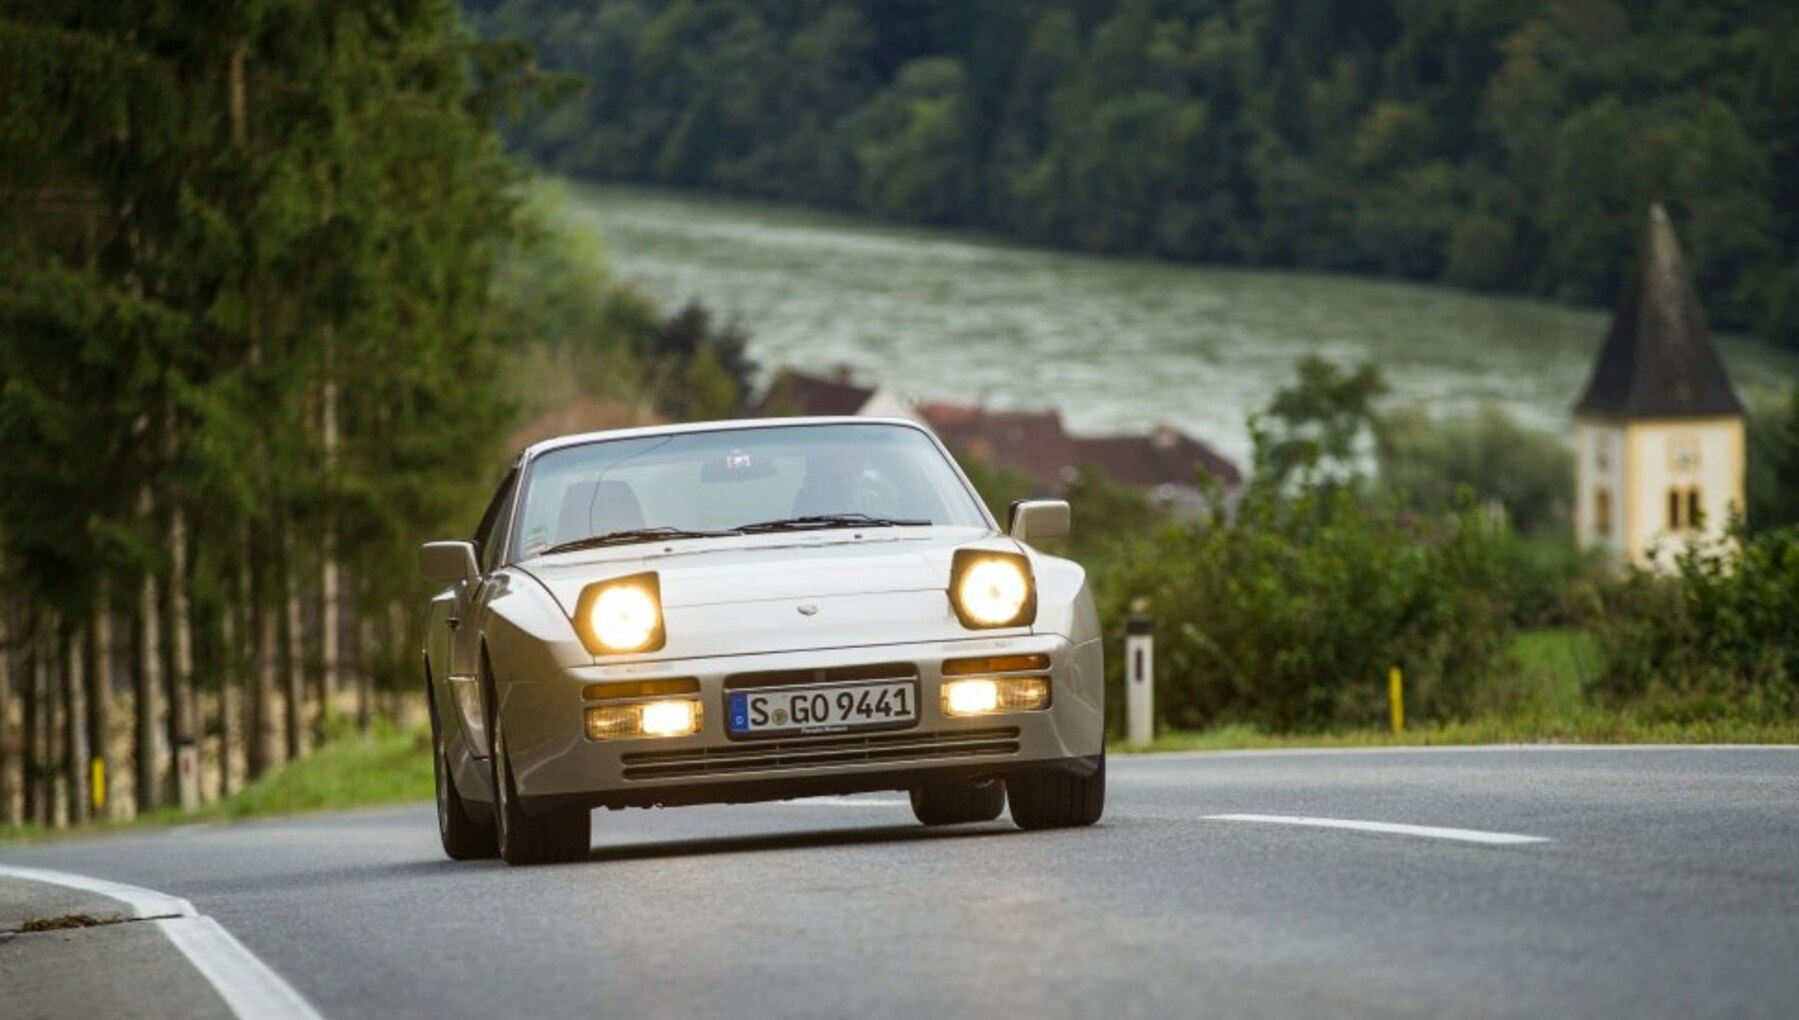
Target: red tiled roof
1167, 457
1035, 444
802, 394
1032, 443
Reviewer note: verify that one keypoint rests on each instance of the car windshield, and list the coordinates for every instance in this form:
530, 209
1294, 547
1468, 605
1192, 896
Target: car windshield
766, 479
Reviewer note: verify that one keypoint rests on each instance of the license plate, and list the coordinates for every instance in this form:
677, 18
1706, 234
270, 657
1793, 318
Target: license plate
832, 708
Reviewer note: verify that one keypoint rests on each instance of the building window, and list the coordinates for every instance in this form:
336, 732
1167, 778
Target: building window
1602, 512
1695, 508
1675, 507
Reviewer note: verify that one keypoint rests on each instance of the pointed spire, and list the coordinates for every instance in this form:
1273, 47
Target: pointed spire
1659, 360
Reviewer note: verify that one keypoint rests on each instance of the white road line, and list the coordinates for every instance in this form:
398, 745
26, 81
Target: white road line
1394, 828
144, 903
247, 985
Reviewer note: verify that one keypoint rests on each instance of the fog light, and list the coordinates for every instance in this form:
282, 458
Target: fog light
674, 718
671, 718
970, 697
996, 694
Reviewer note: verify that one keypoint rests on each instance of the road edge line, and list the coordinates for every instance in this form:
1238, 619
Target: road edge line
1480, 836
250, 988
145, 904
247, 985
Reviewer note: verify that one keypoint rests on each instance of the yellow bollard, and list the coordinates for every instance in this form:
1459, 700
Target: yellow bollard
97, 785
1396, 697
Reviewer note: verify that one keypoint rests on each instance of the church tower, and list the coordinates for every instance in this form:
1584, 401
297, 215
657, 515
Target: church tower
1659, 431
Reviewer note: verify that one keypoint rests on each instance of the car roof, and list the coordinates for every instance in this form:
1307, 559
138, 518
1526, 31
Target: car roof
728, 425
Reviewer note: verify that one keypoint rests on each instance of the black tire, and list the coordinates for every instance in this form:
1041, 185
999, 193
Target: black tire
1057, 800
464, 839
549, 838
959, 803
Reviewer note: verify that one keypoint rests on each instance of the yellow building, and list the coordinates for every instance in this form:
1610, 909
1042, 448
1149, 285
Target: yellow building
1659, 431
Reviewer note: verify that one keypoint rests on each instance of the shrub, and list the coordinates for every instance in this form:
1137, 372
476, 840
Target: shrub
1718, 636
1288, 616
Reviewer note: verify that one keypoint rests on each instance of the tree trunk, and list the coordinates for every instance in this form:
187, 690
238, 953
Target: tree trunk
293, 647
365, 678
9, 747
31, 761
99, 701
178, 636
329, 587
147, 682
74, 718
230, 679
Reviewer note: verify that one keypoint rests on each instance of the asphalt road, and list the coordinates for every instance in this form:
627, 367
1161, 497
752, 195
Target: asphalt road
1667, 884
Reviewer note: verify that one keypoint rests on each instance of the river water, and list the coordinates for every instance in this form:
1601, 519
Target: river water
1118, 345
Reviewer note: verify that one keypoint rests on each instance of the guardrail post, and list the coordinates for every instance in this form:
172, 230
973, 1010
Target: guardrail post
1140, 677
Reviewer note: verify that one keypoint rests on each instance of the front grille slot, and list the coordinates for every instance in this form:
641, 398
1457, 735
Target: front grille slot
821, 752
834, 675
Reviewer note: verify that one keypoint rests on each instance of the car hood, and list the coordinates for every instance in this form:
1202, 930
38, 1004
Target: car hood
756, 568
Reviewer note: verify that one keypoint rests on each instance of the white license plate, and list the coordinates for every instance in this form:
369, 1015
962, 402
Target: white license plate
830, 708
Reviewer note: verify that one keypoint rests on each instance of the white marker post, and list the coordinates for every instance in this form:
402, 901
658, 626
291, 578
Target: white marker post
187, 765
1140, 678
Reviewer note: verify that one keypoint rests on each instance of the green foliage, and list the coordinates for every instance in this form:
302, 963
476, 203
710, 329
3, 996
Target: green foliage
1314, 430
1429, 461
700, 364
1773, 471
1717, 636
1495, 144
1288, 615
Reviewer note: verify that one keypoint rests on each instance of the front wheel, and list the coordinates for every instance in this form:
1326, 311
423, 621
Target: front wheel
959, 803
463, 838
549, 838
1057, 800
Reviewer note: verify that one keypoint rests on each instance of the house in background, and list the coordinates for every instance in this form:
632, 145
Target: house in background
793, 393
1167, 464
1659, 438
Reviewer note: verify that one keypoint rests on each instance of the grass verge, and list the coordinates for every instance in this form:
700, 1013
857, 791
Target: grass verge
1585, 726
387, 766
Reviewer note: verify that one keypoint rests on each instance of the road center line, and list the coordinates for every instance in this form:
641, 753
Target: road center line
1394, 828
247, 985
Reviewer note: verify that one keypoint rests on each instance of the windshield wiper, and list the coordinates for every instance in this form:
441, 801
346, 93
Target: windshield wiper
816, 522
630, 536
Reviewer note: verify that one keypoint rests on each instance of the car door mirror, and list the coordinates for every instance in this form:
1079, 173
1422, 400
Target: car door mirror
1035, 520
448, 562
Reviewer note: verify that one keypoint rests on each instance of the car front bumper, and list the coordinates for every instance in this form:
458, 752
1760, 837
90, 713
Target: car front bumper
554, 763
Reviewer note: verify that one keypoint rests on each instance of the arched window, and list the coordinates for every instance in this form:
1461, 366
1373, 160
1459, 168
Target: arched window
1675, 505
1695, 508
1602, 512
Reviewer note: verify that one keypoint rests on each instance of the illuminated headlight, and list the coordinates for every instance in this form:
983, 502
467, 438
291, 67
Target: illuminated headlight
984, 695
990, 589
673, 718
621, 615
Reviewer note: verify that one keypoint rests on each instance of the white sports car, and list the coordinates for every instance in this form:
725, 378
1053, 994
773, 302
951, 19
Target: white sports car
755, 610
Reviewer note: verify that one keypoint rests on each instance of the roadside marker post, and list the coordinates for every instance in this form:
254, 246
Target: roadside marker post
187, 764
97, 785
1140, 677
1396, 697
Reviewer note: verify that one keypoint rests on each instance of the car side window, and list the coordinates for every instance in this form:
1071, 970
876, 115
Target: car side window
487, 550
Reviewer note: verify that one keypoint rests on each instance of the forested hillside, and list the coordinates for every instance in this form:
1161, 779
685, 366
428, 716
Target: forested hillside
1496, 144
